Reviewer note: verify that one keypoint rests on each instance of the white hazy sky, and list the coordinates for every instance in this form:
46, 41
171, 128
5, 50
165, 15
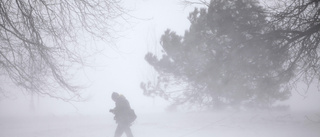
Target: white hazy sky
123, 69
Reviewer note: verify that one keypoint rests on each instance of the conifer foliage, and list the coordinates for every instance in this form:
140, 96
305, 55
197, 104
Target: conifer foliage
224, 59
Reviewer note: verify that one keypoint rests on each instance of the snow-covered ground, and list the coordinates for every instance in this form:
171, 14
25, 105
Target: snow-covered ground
178, 124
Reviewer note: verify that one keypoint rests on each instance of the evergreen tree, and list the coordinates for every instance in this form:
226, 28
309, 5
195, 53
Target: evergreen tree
219, 61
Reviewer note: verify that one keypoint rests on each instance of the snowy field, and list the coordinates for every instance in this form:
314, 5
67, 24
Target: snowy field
187, 124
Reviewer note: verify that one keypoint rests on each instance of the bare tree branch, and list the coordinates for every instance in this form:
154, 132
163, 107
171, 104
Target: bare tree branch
299, 22
41, 40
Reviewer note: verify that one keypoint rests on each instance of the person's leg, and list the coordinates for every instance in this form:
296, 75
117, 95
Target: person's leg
119, 131
127, 130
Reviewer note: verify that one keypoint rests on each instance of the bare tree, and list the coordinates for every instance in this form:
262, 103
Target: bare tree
40, 40
297, 25
195, 2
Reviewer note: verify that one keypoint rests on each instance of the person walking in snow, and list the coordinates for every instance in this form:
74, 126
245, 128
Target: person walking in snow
123, 115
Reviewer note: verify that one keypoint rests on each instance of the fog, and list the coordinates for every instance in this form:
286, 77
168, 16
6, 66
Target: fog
122, 69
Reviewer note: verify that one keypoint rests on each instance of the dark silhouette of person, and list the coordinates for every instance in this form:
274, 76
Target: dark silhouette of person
123, 115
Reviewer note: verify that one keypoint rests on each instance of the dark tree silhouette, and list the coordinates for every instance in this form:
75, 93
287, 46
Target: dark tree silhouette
40, 40
220, 61
297, 23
